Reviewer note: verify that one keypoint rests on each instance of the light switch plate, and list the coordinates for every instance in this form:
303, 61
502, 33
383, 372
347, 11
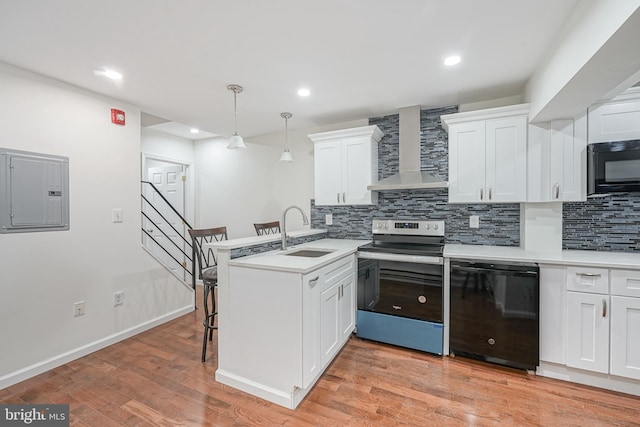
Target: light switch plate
328, 219
474, 221
116, 215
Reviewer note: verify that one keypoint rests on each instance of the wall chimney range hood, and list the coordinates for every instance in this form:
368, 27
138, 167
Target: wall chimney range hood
410, 176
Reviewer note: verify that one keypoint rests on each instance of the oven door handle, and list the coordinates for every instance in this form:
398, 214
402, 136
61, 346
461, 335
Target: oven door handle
386, 256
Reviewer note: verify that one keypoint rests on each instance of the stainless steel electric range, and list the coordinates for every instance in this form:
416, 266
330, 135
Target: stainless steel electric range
400, 285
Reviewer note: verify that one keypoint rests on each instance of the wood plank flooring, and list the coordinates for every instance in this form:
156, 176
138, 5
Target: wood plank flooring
156, 379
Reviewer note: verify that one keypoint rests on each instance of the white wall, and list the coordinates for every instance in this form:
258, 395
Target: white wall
43, 274
237, 188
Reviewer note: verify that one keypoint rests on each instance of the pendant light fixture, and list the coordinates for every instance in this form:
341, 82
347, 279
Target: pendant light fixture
236, 141
286, 154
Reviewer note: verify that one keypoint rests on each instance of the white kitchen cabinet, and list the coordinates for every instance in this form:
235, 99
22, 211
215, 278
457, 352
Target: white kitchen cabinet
283, 328
488, 155
346, 162
625, 337
625, 323
553, 306
588, 331
617, 119
556, 156
603, 320
337, 312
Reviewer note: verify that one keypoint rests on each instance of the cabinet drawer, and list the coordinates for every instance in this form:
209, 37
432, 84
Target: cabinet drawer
625, 283
337, 271
587, 279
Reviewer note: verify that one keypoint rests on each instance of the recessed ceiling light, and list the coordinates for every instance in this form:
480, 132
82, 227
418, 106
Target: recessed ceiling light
194, 130
113, 75
304, 92
452, 60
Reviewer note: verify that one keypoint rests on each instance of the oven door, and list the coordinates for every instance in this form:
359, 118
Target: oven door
398, 288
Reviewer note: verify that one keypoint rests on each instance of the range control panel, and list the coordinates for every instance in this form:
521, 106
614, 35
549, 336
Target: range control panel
408, 227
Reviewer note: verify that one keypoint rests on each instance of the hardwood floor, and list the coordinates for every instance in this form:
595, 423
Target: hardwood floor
156, 379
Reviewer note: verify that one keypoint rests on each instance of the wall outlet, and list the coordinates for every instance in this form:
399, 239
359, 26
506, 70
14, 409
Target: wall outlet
474, 221
78, 309
118, 298
116, 215
328, 219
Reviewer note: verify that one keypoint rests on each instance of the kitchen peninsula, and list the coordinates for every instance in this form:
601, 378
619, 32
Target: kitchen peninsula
283, 316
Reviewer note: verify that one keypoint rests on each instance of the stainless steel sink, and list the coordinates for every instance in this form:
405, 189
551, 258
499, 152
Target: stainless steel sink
309, 253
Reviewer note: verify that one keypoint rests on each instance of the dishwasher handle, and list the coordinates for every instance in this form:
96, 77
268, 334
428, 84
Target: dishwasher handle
503, 270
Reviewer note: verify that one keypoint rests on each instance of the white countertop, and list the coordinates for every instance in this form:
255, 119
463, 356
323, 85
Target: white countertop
566, 257
277, 260
257, 240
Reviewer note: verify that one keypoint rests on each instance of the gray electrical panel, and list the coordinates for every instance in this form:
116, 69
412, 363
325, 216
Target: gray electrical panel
34, 192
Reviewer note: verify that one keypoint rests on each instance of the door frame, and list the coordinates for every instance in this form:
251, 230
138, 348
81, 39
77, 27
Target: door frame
151, 160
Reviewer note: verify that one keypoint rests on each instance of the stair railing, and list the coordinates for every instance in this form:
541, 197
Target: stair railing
192, 257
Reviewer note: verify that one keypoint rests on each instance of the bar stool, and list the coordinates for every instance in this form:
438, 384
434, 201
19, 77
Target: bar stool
208, 273
267, 228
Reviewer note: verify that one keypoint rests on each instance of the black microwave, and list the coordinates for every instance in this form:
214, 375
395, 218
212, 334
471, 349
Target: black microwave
613, 167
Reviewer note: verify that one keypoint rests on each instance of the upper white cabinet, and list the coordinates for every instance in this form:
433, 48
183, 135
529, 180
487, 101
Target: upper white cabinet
557, 160
616, 120
346, 162
488, 155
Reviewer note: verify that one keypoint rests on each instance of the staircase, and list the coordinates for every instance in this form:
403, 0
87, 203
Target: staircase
163, 234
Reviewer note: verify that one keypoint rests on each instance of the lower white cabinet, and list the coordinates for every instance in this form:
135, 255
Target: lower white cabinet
553, 307
284, 328
625, 337
337, 311
594, 323
588, 331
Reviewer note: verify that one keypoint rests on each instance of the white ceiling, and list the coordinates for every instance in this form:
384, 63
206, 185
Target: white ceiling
359, 58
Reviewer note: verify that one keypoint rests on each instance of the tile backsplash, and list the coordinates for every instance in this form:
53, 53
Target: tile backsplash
499, 223
610, 223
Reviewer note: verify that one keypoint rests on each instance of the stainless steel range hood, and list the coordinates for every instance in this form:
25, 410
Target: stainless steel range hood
410, 176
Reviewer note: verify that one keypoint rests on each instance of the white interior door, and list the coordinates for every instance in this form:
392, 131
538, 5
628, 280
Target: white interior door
166, 224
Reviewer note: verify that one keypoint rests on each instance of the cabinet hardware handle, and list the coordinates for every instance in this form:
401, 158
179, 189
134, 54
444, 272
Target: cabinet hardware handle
481, 193
149, 230
489, 192
314, 281
344, 198
588, 274
556, 188
338, 197
604, 308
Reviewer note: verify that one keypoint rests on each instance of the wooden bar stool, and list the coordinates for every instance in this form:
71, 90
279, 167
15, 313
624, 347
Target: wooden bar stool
267, 228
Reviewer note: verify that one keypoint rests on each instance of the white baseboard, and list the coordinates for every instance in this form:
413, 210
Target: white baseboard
53, 362
594, 379
289, 400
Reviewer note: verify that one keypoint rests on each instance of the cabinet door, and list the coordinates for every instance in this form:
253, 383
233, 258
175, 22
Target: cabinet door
311, 363
567, 159
553, 307
588, 331
625, 333
328, 172
466, 163
356, 171
506, 160
347, 307
615, 121
329, 326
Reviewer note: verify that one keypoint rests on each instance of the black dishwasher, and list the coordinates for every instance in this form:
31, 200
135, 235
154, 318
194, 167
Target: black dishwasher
494, 312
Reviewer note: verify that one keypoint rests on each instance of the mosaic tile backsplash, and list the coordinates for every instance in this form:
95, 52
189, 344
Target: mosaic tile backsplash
610, 223
499, 223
